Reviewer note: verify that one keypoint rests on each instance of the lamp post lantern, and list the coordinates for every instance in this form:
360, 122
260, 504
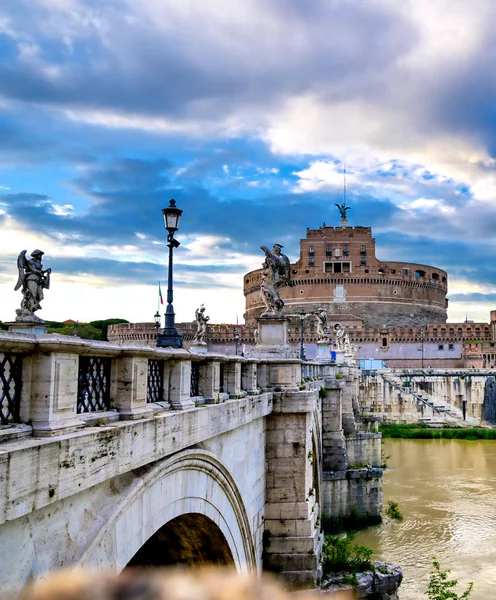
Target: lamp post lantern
157, 319
170, 337
302, 324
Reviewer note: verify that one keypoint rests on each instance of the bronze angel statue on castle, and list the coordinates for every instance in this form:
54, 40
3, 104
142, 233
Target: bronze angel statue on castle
33, 279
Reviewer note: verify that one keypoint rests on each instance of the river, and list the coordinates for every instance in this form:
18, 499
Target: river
446, 490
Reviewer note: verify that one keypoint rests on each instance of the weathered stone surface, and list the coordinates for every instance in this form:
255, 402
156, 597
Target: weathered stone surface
382, 583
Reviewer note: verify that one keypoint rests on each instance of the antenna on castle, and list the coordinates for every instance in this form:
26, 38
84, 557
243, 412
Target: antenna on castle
342, 207
344, 185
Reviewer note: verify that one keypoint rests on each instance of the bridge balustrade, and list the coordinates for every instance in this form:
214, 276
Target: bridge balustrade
155, 381
52, 384
93, 384
10, 387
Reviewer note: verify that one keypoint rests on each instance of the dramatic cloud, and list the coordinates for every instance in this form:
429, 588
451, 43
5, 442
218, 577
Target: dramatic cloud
246, 114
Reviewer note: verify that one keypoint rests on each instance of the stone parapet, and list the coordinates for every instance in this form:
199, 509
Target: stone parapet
63, 383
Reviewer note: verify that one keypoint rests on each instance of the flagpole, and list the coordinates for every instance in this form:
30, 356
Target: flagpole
158, 298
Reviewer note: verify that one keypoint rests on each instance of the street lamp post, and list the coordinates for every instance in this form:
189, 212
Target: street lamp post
302, 323
236, 340
170, 337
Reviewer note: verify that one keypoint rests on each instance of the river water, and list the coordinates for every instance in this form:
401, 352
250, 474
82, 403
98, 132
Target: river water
446, 490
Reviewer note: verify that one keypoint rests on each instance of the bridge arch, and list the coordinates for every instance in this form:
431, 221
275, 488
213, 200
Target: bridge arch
192, 486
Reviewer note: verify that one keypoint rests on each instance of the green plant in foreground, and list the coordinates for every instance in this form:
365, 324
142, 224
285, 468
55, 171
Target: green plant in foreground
441, 588
393, 511
339, 375
342, 554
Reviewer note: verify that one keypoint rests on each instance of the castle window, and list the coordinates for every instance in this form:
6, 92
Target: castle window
451, 346
311, 261
393, 271
435, 276
444, 279
346, 251
363, 249
329, 250
363, 261
419, 273
440, 347
405, 272
311, 250
384, 342
337, 267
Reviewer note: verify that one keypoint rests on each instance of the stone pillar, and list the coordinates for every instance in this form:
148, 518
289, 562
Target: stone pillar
232, 379
179, 384
210, 381
249, 378
54, 386
263, 376
349, 423
334, 457
132, 379
284, 373
292, 536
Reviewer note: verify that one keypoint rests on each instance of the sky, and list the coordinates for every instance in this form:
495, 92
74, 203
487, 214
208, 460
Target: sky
245, 113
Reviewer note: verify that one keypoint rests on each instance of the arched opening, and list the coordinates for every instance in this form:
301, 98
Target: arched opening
384, 342
191, 539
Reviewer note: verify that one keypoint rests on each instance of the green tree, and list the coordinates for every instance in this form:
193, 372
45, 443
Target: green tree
82, 330
103, 325
441, 588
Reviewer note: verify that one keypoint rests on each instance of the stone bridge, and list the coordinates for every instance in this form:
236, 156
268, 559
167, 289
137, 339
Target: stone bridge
114, 455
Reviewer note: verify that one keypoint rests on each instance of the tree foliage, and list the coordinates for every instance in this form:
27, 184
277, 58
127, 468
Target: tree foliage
441, 588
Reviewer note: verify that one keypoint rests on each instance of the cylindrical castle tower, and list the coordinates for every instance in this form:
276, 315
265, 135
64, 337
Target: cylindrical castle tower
338, 270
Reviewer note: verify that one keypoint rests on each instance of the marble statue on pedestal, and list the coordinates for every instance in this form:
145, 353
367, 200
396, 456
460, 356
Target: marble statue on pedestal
343, 341
322, 325
32, 280
276, 274
201, 325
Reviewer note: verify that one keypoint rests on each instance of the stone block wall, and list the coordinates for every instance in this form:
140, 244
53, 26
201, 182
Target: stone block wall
364, 448
359, 489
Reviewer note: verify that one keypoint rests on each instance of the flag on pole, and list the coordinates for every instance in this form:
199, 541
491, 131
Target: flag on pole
160, 293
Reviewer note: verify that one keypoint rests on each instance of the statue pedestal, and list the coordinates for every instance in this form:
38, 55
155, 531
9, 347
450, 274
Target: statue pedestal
323, 350
340, 357
199, 347
273, 337
31, 327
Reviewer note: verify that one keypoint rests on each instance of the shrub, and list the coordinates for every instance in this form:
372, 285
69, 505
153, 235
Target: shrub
339, 375
441, 588
393, 511
342, 554
322, 392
